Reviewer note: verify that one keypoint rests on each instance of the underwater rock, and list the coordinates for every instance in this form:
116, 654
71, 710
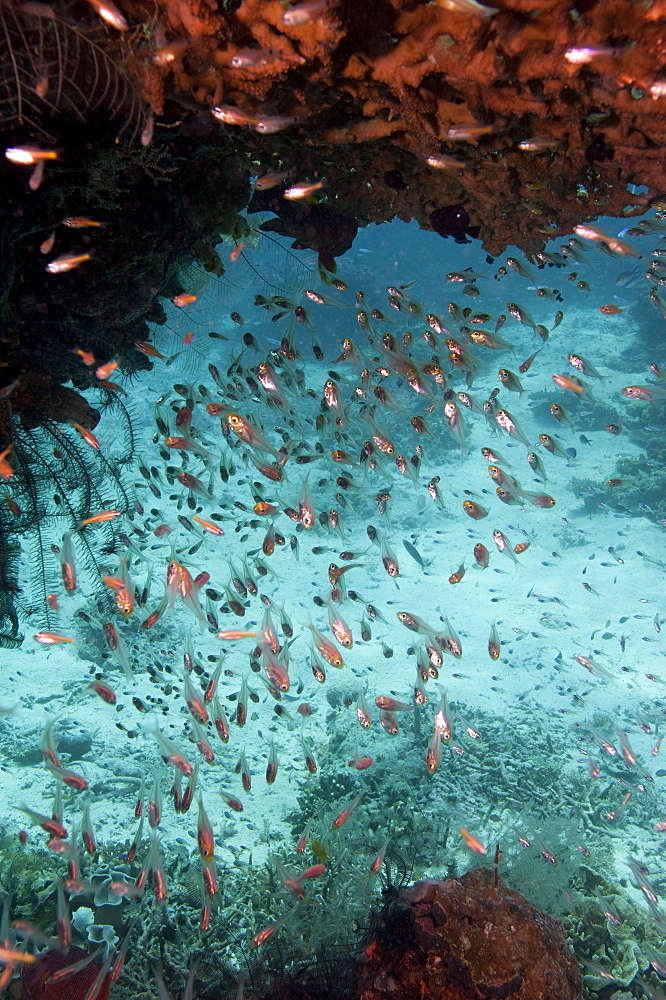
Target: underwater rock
466, 939
39, 397
322, 227
453, 220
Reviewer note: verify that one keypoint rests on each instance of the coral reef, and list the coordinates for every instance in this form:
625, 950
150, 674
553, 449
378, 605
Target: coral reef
45, 57
471, 123
554, 108
149, 228
466, 938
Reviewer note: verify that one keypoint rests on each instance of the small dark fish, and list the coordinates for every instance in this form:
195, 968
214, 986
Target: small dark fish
629, 278
414, 553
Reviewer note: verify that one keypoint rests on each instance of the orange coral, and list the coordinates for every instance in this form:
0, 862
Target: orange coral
397, 74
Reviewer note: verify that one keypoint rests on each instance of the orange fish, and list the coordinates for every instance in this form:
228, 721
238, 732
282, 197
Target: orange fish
148, 349
183, 300
610, 310
87, 358
66, 262
80, 222
232, 634
112, 387
6, 471
104, 515
472, 842
236, 252
10, 955
109, 13
51, 638
303, 190
30, 154
104, 371
208, 525
188, 338
87, 436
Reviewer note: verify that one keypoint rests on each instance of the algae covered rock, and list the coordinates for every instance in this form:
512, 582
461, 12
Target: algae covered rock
466, 938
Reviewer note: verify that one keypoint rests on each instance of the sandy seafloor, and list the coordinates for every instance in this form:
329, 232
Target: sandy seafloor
536, 689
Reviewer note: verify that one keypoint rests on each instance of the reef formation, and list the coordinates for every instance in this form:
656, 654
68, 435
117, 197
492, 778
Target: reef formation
510, 123
527, 114
466, 938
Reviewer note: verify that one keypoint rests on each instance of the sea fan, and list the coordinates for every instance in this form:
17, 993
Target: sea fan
51, 66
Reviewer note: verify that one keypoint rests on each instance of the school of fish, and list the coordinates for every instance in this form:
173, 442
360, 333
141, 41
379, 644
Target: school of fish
292, 465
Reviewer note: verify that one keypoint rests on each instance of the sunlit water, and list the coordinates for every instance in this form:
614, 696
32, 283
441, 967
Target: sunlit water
521, 769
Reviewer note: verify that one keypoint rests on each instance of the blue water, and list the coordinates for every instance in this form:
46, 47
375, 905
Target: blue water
517, 764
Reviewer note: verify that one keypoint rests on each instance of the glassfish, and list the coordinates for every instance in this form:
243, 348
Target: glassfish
303, 190
575, 385
503, 544
588, 232
272, 765
644, 392
29, 155
474, 510
250, 435
172, 754
473, 843
205, 838
267, 933
339, 626
67, 567
362, 710
67, 262
494, 644
231, 115
511, 426
276, 670
456, 425
343, 816
325, 647
414, 623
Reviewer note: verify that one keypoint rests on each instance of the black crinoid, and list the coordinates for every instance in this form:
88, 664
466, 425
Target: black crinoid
327, 975
58, 481
59, 63
396, 874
